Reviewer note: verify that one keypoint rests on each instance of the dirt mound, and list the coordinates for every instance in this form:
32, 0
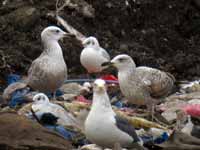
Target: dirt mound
156, 33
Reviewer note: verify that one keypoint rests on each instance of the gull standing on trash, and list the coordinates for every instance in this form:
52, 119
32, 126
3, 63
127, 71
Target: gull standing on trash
141, 85
92, 56
48, 72
42, 105
103, 127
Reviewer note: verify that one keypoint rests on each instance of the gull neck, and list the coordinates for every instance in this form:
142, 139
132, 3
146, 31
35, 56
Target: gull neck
52, 47
101, 102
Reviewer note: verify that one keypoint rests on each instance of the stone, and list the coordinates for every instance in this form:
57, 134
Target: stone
24, 18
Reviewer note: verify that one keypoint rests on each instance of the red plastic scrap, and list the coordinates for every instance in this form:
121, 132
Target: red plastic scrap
109, 77
83, 99
192, 109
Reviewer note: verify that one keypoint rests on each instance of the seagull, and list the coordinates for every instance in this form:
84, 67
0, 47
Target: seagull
48, 72
103, 126
141, 85
41, 105
92, 56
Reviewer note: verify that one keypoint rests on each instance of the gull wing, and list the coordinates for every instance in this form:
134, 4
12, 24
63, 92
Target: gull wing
124, 125
105, 53
158, 83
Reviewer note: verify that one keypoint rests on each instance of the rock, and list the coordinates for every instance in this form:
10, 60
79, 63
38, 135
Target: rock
184, 96
74, 88
170, 109
197, 3
18, 132
196, 131
7, 109
24, 18
194, 101
2, 101
169, 116
67, 97
91, 147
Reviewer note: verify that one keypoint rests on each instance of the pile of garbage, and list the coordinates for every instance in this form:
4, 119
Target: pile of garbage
58, 123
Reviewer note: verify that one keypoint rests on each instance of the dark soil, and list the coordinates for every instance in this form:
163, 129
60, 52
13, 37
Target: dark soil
159, 33
21, 133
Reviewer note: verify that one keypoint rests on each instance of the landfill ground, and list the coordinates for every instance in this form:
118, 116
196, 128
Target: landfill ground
155, 33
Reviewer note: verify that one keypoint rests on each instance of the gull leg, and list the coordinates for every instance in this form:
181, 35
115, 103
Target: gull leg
88, 75
117, 146
150, 107
54, 95
136, 107
98, 75
152, 111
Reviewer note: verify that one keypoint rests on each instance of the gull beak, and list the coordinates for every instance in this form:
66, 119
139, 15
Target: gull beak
101, 86
107, 64
83, 43
65, 34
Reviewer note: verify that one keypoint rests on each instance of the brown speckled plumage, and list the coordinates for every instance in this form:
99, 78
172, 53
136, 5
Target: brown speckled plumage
48, 72
141, 85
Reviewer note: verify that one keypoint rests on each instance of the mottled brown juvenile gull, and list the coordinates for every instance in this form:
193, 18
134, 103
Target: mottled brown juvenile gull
48, 72
92, 56
103, 127
141, 85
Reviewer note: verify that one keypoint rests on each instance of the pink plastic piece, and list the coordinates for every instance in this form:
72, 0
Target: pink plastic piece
192, 109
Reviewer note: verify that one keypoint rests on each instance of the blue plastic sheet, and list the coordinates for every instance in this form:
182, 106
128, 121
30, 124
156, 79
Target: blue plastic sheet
18, 96
118, 104
164, 137
62, 131
12, 78
66, 134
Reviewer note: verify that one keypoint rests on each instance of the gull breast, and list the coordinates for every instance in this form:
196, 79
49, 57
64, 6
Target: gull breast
47, 74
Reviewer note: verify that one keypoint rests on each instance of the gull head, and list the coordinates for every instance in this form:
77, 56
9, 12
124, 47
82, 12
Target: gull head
53, 33
90, 42
121, 62
99, 86
40, 98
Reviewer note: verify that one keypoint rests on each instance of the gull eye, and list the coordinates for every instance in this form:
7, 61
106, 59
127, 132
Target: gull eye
39, 98
121, 59
87, 43
57, 31
92, 42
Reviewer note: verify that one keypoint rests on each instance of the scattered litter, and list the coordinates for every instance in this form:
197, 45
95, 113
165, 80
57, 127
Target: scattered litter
192, 109
68, 116
189, 87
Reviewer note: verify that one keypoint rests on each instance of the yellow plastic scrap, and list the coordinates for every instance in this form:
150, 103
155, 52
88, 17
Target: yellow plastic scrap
76, 106
138, 122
